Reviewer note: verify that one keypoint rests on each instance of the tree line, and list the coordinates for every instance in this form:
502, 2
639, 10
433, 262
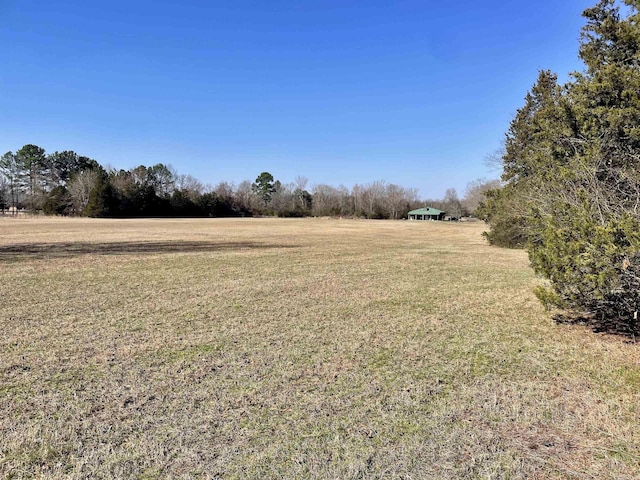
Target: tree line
571, 176
65, 183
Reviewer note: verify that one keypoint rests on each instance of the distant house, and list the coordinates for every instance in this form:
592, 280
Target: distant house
14, 211
427, 213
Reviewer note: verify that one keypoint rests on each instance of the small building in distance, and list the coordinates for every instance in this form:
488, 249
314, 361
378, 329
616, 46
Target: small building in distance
13, 211
426, 213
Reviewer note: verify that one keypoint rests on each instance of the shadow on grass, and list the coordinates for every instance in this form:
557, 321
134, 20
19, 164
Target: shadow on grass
31, 251
600, 325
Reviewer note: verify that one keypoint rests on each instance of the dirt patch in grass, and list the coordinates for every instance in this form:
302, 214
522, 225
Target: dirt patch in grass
37, 251
267, 348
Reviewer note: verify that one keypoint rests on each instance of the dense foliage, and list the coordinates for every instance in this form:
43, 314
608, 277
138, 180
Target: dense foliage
65, 183
571, 190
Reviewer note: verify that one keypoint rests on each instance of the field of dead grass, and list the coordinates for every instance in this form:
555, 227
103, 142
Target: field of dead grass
267, 348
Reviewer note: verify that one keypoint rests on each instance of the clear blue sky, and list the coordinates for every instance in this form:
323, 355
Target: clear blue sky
412, 92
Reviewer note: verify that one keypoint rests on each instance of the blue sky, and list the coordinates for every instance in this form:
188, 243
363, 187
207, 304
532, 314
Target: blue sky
412, 92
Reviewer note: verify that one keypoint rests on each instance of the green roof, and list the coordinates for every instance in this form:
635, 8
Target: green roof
426, 211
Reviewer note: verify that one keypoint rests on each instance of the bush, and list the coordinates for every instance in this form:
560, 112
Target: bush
593, 268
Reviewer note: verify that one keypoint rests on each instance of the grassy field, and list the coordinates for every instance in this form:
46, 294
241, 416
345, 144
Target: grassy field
266, 348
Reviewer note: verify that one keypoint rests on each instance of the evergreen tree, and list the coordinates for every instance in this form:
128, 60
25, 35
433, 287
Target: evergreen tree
58, 202
589, 241
33, 171
538, 150
264, 187
572, 192
103, 200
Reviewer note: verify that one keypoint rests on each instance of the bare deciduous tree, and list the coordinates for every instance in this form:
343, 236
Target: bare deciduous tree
372, 195
80, 188
451, 202
190, 185
474, 194
245, 196
326, 200
395, 199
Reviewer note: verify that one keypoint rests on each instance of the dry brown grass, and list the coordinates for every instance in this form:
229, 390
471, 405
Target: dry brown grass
296, 349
